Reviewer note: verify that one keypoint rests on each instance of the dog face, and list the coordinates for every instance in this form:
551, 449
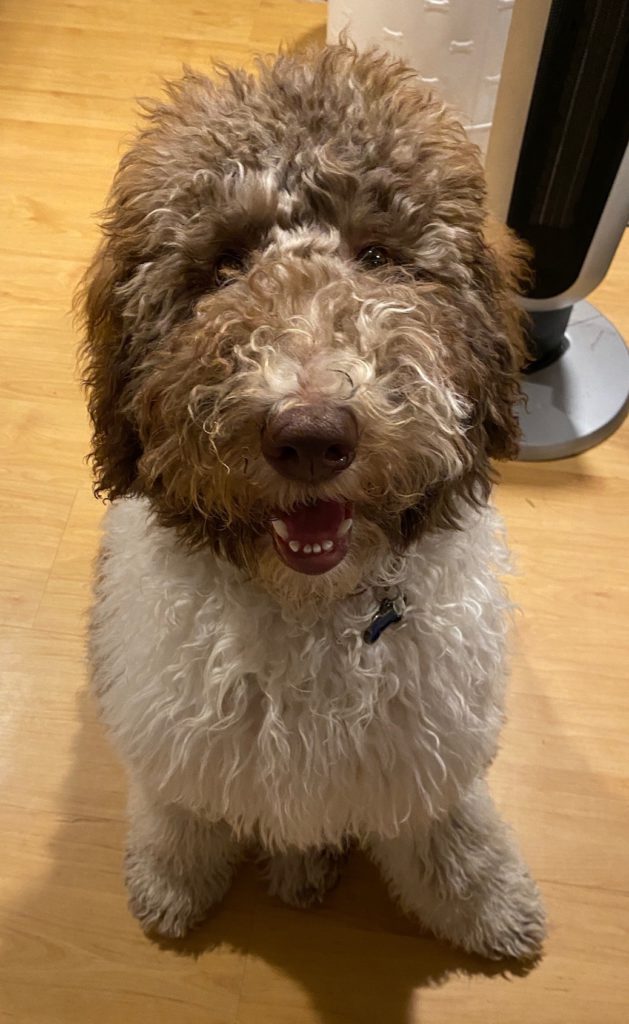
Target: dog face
301, 344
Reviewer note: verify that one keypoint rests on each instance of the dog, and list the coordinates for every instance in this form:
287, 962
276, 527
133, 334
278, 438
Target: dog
302, 351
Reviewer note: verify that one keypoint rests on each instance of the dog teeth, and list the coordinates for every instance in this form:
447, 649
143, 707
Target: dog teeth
311, 549
345, 527
280, 528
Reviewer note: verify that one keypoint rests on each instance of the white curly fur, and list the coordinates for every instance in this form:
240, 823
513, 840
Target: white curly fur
242, 720
223, 702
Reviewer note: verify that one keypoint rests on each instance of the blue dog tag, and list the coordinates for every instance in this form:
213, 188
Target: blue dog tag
390, 611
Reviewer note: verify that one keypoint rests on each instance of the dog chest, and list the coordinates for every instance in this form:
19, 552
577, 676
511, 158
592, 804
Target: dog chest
300, 734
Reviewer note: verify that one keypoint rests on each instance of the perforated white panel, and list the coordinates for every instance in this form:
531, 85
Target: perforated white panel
456, 45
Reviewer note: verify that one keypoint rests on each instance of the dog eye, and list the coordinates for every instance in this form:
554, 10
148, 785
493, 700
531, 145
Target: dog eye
227, 267
374, 256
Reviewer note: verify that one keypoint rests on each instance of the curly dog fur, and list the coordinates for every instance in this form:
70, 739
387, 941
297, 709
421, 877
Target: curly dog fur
302, 351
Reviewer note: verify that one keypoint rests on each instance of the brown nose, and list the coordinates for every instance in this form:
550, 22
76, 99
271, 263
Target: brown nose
310, 443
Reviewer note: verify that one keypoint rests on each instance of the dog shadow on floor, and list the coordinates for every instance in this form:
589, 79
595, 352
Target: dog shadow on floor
354, 959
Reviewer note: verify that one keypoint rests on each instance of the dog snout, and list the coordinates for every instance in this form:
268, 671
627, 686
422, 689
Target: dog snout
310, 443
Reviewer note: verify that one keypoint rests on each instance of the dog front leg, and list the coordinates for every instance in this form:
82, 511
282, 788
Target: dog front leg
177, 865
463, 877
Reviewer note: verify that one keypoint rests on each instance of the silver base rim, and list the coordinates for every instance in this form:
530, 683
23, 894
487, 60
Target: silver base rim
580, 399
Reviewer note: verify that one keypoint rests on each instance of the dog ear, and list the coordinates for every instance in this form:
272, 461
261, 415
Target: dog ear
489, 373
502, 352
108, 359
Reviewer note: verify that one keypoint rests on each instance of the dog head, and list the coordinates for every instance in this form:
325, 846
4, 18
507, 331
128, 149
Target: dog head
301, 343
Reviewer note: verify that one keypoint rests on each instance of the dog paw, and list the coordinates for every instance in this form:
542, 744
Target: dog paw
508, 924
163, 903
302, 878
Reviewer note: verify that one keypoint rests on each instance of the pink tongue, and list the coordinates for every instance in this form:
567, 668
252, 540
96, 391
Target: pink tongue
312, 522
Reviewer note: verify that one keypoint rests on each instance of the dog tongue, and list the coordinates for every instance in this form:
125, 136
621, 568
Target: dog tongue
308, 523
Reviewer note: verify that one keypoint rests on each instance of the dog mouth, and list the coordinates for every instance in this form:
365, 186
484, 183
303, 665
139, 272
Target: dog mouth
313, 538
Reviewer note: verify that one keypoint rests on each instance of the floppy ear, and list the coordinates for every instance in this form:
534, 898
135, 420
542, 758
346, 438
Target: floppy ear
490, 374
503, 270
108, 358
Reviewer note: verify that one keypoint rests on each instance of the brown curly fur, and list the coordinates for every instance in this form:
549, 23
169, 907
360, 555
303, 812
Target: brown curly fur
295, 171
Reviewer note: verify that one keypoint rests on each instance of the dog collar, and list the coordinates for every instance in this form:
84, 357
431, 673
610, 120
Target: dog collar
390, 611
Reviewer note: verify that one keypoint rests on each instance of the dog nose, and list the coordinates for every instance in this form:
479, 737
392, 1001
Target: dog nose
310, 443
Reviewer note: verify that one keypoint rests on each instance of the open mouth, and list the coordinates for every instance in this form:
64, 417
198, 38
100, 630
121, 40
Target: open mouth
313, 538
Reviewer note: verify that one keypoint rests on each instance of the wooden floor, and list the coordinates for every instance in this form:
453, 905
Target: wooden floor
70, 951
